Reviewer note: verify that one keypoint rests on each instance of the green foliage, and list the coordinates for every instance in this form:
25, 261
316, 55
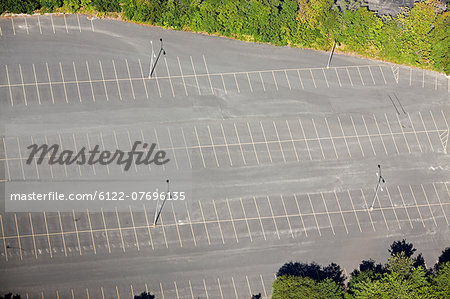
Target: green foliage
419, 36
295, 287
441, 281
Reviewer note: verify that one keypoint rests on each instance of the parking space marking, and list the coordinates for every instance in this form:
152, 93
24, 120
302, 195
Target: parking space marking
134, 229
37, 85
404, 205
317, 135
9, 85
328, 214
20, 156
325, 76
63, 83
368, 134
65, 23
13, 27
195, 76
287, 216
234, 286
349, 78
253, 143
429, 206
148, 227
143, 78
340, 210
76, 80
200, 147
393, 207
240, 144
35, 163
392, 134
182, 77
23, 85
292, 140
18, 237
415, 132
90, 81
423, 78
249, 288
190, 288
76, 148
176, 290
274, 80
173, 148
300, 79
440, 202
218, 222
314, 214
232, 221
354, 211
226, 144
417, 205
246, 221
157, 84
343, 136
4, 238
371, 75
249, 83
62, 233
32, 234
381, 209
304, 137
331, 137
117, 79
168, 75
379, 133
176, 225
92, 24
204, 222
426, 131
53, 25
220, 288
117, 292
360, 76
312, 76
6, 158
158, 145
259, 217
235, 81
357, 137
287, 79
262, 81
279, 141
48, 237
206, 290
185, 146
265, 141
209, 77
120, 230
300, 215
444, 143
164, 230
273, 216
223, 83
213, 146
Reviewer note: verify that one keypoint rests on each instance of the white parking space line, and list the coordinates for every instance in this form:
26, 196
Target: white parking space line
423, 78
204, 222
265, 141
444, 145
62, 233
253, 143
148, 227
90, 81
337, 75
317, 136
35, 163
304, 137
39, 24
195, 75
429, 206
23, 86
20, 156
279, 142
50, 82
314, 214
157, 142
340, 211
9, 86
143, 78
26, 25
368, 134
312, 76
190, 288
417, 205
218, 222
287, 217
360, 76
120, 230
274, 80
426, 131
185, 146
6, 158
176, 225
182, 77
32, 234
213, 146
48, 237
404, 205
226, 144
273, 217
220, 288
76, 80
300, 215
440, 203
37, 85
325, 76
232, 221
190, 224
239, 142
53, 25
343, 136
1, 32
292, 140
176, 290
379, 133
3, 237
91, 231
368, 211
64, 84
300, 79
103, 146
18, 237
235, 81
249, 288
134, 229
382, 210
131, 82
357, 136
65, 23
262, 81
223, 83
354, 211
249, 83
393, 208
328, 214
246, 221
117, 80
199, 147
168, 74
92, 24
13, 27
392, 135
331, 137
371, 75
415, 132
259, 217
287, 79
209, 77
173, 147
76, 148
349, 77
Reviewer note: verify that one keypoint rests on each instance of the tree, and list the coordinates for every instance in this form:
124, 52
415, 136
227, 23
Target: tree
256, 296
295, 287
401, 246
441, 280
144, 295
10, 296
443, 258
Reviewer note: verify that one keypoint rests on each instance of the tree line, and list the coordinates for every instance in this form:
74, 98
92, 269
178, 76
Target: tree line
404, 276
419, 36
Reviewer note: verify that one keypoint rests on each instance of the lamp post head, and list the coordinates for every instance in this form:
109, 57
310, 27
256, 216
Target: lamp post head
379, 166
167, 181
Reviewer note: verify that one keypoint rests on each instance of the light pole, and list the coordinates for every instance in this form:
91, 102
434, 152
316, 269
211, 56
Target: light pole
153, 65
158, 213
380, 180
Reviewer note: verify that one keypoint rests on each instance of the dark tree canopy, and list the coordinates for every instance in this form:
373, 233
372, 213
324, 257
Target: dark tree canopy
144, 295
10, 296
256, 296
313, 271
401, 246
444, 257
